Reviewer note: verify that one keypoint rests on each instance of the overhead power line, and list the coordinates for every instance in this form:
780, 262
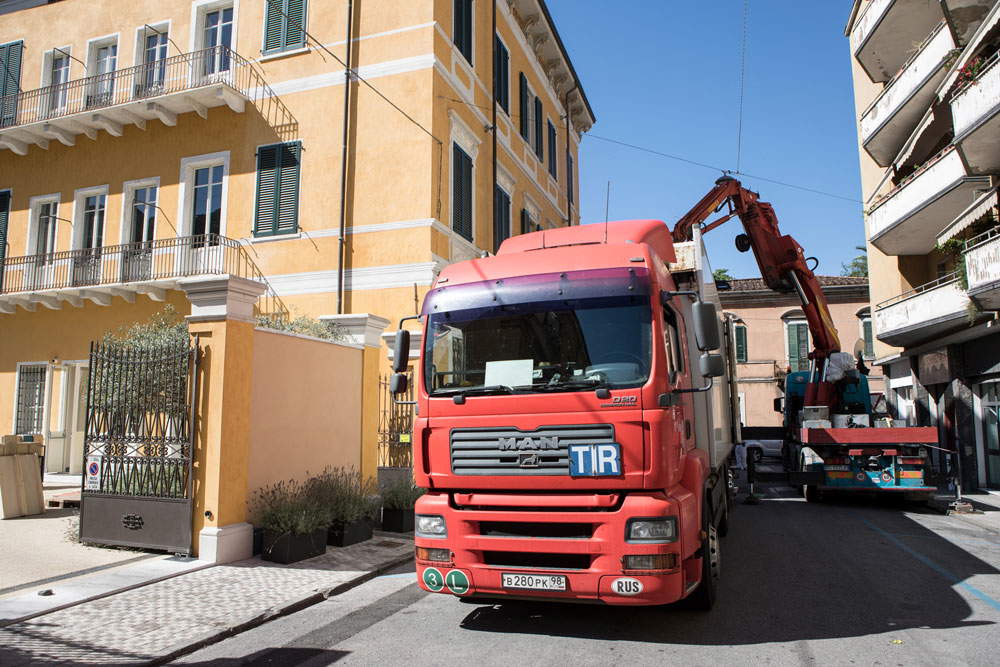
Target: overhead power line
743, 69
590, 135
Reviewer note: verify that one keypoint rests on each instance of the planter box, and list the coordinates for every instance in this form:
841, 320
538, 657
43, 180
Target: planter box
344, 534
397, 520
289, 548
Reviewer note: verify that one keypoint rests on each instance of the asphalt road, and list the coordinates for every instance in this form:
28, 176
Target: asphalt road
838, 583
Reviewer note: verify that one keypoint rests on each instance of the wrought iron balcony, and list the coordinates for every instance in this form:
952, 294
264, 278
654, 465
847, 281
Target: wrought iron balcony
150, 267
160, 90
982, 266
907, 220
890, 119
922, 313
884, 34
975, 110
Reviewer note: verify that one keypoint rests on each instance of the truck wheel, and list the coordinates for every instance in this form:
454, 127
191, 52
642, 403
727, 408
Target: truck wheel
703, 598
812, 494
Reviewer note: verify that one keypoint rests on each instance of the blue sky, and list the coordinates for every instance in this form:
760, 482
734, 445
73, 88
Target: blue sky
664, 74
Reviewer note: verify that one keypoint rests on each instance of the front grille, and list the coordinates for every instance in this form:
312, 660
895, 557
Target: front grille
484, 451
562, 531
537, 561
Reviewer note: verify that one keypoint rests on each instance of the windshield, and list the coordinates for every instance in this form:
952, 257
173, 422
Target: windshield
542, 346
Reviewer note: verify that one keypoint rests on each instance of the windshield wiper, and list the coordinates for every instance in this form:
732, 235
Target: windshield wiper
569, 385
481, 391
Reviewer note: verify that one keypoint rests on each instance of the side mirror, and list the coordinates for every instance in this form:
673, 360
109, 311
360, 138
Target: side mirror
779, 404
706, 325
401, 351
398, 384
711, 365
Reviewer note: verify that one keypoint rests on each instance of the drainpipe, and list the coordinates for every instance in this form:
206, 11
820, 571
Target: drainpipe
342, 248
569, 194
493, 99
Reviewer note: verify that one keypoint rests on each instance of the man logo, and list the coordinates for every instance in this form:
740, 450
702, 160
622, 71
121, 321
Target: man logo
512, 444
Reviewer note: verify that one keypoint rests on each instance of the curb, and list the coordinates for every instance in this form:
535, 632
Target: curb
276, 612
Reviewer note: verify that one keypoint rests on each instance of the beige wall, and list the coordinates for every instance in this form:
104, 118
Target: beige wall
305, 407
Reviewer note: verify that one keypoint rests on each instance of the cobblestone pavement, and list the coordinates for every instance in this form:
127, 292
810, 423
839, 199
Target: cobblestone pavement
154, 621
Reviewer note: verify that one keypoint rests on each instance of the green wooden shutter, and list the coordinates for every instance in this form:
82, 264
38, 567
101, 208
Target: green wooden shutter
569, 178
274, 26
284, 25
501, 73
741, 344
463, 28
461, 200
295, 33
869, 343
10, 81
277, 210
501, 217
523, 110
798, 346
525, 221
539, 130
4, 218
552, 151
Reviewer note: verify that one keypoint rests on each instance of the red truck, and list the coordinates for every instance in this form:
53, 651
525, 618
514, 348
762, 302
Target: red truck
570, 433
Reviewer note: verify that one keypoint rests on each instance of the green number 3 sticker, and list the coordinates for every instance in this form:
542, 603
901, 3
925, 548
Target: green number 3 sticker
433, 579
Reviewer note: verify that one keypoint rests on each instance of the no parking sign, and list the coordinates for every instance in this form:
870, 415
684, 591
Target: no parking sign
92, 474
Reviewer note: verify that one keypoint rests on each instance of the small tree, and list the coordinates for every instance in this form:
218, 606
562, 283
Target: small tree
857, 267
722, 274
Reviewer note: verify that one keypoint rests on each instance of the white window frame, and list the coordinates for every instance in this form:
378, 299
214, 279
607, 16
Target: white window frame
79, 200
199, 9
186, 189
128, 196
93, 45
48, 57
463, 137
140, 39
34, 206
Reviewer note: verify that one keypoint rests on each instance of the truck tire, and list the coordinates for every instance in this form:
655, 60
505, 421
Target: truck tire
703, 598
812, 494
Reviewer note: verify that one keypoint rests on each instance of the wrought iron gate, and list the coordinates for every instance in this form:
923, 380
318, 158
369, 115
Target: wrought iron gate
138, 446
395, 427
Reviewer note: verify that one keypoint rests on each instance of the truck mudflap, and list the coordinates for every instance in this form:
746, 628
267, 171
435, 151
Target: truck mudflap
573, 554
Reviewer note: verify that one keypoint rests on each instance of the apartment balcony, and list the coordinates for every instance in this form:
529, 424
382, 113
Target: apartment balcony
884, 34
100, 274
982, 266
891, 118
161, 90
922, 313
907, 220
975, 110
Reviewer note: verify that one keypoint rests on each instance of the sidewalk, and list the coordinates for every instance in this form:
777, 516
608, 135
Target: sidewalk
985, 503
160, 621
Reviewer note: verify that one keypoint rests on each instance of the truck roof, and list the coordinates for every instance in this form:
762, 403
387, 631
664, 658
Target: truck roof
593, 246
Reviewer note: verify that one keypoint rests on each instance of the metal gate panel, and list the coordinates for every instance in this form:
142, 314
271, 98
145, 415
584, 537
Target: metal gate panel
138, 446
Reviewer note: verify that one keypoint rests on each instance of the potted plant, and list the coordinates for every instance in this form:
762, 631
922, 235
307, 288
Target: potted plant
397, 505
294, 525
347, 500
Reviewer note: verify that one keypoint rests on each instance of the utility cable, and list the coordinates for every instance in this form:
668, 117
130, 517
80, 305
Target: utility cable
743, 68
590, 135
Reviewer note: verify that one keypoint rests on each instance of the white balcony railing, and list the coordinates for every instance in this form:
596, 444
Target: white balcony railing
907, 220
885, 33
891, 118
922, 312
871, 15
982, 266
978, 99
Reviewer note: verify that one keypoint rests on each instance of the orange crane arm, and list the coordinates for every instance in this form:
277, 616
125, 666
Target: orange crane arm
781, 259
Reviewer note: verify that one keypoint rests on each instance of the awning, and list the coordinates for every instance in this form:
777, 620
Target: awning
979, 208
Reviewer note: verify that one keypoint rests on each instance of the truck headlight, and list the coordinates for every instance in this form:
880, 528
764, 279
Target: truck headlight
430, 525
654, 530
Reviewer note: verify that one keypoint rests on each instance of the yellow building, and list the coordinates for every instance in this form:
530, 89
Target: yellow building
144, 143
927, 96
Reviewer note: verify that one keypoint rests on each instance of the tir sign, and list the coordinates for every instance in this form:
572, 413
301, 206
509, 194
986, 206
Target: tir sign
595, 460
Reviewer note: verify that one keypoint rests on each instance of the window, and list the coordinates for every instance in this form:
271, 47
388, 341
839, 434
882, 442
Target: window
865, 322
464, 13
10, 81
461, 196
528, 223
672, 344
142, 222
553, 170
741, 343
798, 344
501, 217
4, 219
102, 58
87, 264
218, 39
284, 25
45, 228
206, 215
531, 117
278, 169
570, 186
501, 73
58, 75
30, 398
154, 55
539, 128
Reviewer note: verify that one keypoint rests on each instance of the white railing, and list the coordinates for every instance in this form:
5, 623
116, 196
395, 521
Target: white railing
916, 192
931, 302
914, 74
982, 259
978, 98
871, 12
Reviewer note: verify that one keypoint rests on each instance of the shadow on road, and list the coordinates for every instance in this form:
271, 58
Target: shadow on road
791, 571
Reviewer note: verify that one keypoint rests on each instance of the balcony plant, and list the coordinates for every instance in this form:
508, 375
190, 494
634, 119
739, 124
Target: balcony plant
348, 501
397, 505
293, 522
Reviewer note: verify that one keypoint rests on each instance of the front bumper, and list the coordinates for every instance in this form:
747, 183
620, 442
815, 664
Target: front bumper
592, 565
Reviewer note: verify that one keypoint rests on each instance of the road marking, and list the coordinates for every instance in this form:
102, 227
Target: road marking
934, 566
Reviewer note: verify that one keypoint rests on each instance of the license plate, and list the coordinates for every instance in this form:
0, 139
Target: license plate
838, 468
534, 582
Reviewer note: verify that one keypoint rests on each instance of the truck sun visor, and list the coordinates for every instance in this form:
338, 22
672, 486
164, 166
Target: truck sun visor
569, 285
